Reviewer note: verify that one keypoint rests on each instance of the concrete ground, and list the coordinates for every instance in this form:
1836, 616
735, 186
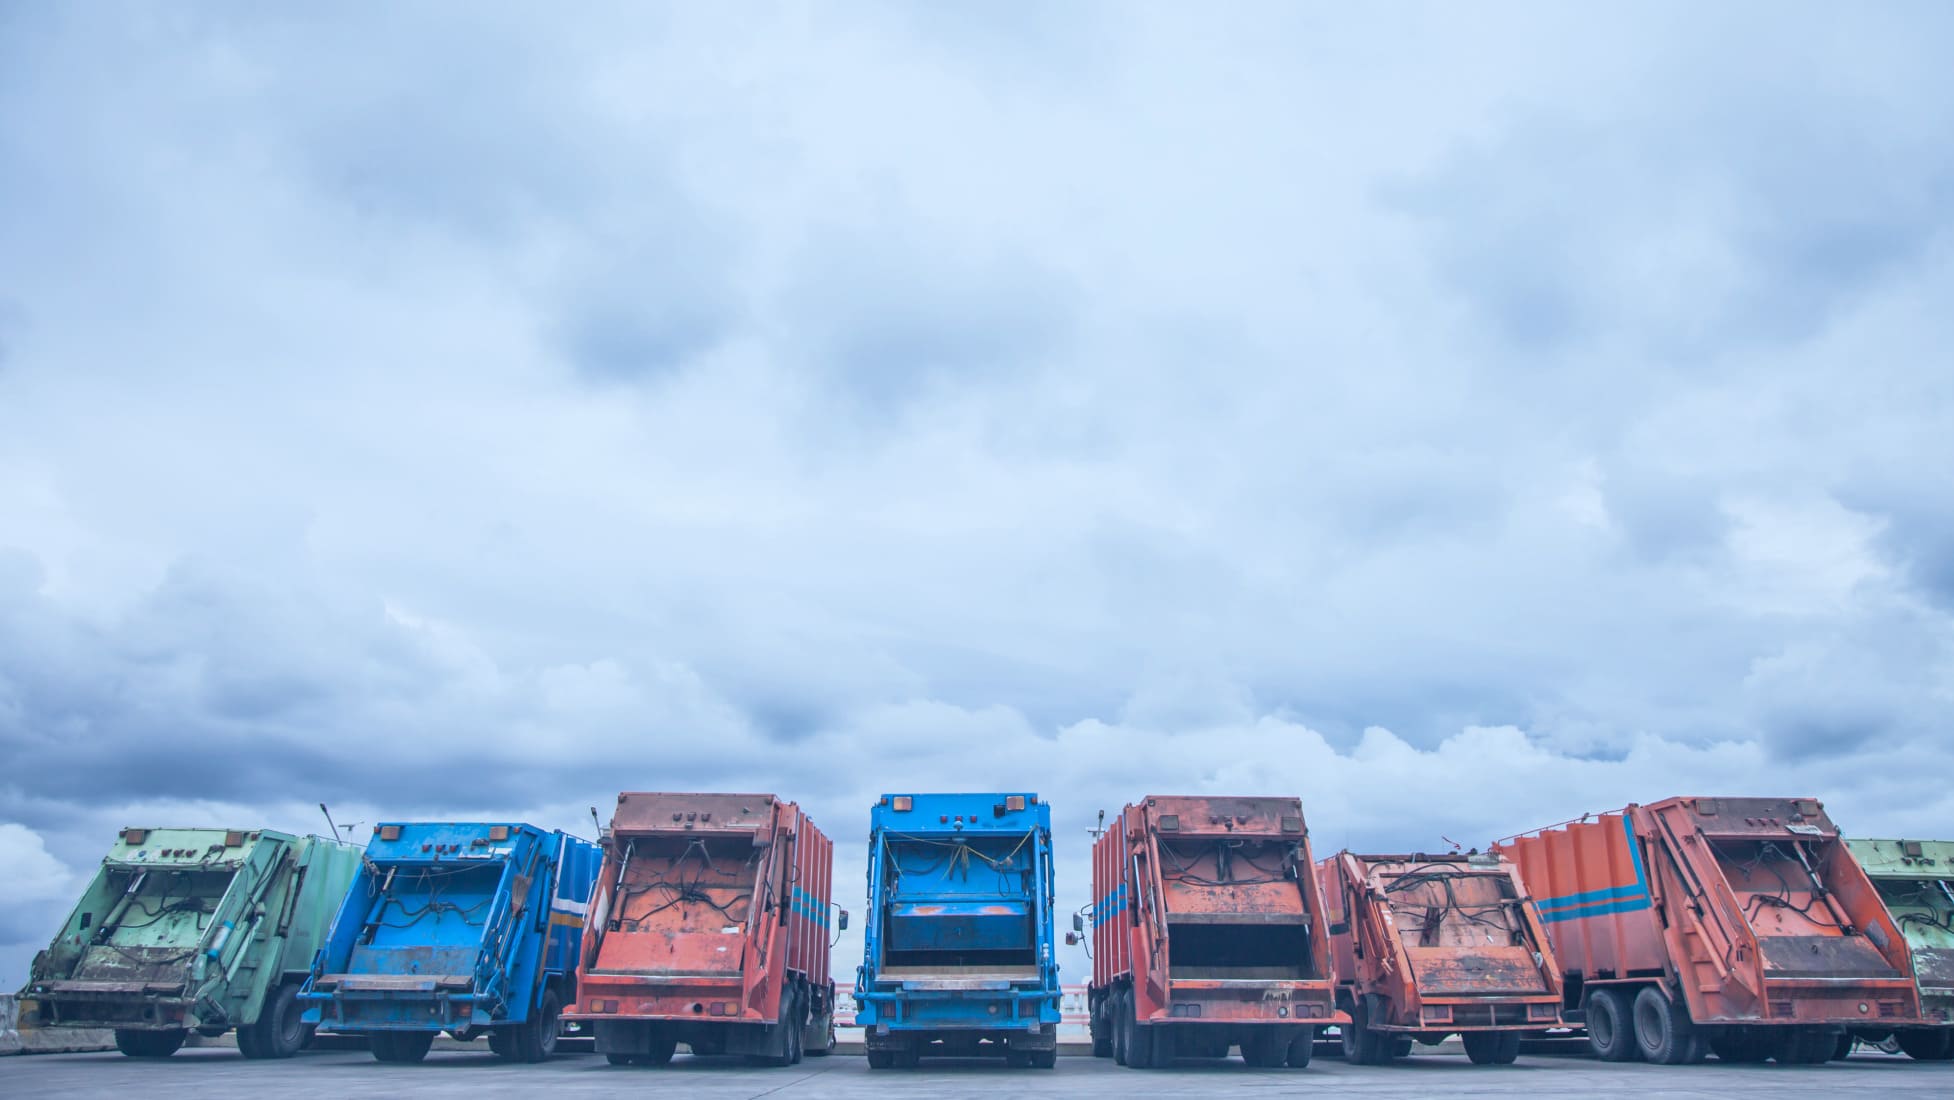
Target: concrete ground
218, 1073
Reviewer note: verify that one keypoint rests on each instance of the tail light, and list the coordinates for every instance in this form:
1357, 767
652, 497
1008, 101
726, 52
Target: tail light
901, 803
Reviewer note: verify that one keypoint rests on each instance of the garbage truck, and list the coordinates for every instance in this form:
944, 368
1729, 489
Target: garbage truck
1434, 945
711, 925
1208, 934
1915, 878
1741, 927
205, 930
957, 955
466, 927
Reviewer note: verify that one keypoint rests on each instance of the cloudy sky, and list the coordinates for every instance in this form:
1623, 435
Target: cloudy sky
1461, 417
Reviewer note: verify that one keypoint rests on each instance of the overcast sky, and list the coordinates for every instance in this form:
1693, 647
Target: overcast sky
1461, 417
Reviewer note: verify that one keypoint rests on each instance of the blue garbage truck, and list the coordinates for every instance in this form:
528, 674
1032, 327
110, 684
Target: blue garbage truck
472, 928
958, 956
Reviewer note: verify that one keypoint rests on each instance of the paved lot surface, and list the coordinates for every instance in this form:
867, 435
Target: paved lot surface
220, 1074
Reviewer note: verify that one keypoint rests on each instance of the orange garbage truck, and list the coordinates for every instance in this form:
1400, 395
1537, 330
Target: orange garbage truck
1207, 934
1429, 946
709, 926
1742, 927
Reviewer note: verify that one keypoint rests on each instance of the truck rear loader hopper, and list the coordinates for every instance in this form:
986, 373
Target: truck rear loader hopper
466, 927
1429, 946
193, 929
1208, 934
958, 949
1915, 878
709, 926
1738, 926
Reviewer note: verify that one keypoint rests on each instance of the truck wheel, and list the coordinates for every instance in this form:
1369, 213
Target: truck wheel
1302, 1047
279, 1030
1266, 1048
1139, 1037
534, 1040
659, 1053
1740, 1046
797, 1033
1164, 1046
1663, 1031
1116, 1023
401, 1046
1044, 1059
1361, 1045
1803, 1046
1102, 1036
149, 1044
1610, 1034
1926, 1045
1491, 1048
881, 1059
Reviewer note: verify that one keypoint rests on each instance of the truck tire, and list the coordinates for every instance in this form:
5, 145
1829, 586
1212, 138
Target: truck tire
881, 1059
1266, 1048
657, 1053
150, 1044
1663, 1031
1302, 1047
1163, 1046
1610, 1034
1804, 1046
279, 1030
1044, 1059
1925, 1045
1740, 1046
1491, 1048
401, 1046
1102, 1035
1139, 1038
1116, 1023
1844, 1050
534, 1040
1361, 1045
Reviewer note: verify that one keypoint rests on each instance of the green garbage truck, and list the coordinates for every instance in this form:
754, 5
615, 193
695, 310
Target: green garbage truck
204, 930
1915, 878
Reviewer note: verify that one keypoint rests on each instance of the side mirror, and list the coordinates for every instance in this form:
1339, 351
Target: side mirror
1078, 922
1071, 939
841, 925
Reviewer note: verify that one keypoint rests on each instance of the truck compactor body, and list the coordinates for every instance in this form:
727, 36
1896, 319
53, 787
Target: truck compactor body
470, 928
1428, 946
1739, 926
1916, 880
1208, 933
710, 926
204, 929
958, 947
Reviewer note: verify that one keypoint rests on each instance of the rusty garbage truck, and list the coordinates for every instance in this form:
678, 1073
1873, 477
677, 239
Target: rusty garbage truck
1916, 880
1741, 927
1208, 933
1433, 945
205, 930
710, 925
